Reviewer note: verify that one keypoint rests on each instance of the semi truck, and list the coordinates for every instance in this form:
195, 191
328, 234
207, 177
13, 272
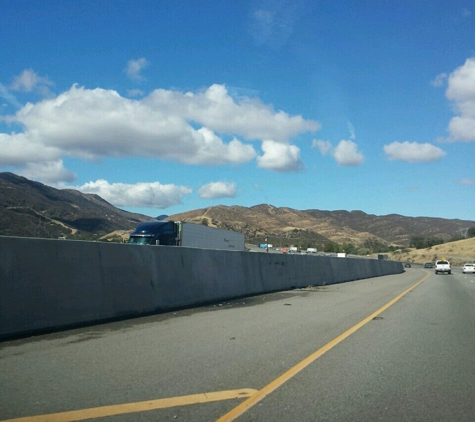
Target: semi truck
180, 233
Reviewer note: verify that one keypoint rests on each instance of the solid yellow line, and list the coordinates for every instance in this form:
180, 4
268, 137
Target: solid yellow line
99, 412
275, 384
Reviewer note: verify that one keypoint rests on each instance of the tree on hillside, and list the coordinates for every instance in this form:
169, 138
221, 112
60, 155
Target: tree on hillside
331, 247
423, 242
471, 232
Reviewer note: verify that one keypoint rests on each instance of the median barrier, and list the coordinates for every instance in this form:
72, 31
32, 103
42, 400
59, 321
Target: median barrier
49, 284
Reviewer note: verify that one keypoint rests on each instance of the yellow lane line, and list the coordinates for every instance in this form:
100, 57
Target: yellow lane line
120, 409
275, 384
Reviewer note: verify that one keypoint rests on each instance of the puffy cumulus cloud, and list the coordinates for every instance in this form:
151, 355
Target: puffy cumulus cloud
211, 147
135, 67
51, 172
19, 150
215, 190
461, 90
29, 81
346, 154
280, 157
218, 111
413, 152
152, 195
96, 123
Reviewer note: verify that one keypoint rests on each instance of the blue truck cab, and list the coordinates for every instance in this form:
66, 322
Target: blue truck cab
155, 233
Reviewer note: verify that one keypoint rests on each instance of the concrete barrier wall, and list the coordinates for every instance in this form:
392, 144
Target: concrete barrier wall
51, 284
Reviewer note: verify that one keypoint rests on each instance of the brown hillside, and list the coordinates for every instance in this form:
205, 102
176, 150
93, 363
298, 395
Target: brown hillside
457, 253
284, 226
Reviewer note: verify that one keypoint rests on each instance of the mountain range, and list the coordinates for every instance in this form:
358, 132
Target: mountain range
32, 209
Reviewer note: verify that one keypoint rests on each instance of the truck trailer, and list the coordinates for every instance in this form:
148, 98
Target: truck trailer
180, 233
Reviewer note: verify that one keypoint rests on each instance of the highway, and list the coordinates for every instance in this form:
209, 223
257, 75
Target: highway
393, 348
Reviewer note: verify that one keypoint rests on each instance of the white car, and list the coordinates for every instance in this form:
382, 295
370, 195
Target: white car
443, 266
468, 268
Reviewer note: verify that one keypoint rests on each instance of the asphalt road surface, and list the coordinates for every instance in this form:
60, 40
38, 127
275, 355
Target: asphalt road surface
393, 348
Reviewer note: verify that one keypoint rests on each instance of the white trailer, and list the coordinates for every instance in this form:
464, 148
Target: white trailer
199, 236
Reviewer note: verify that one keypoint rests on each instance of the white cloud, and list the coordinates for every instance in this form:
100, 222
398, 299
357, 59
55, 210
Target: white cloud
152, 195
96, 123
217, 110
50, 171
215, 190
346, 154
29, 81
324, 147
20, 149
413, 152
135, 67
280, 157
461, 90
211, 150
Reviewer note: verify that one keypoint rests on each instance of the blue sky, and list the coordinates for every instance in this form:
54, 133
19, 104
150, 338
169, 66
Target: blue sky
162, 107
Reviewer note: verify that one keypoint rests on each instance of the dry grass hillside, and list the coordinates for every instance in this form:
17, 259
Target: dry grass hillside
284, 226
457, 253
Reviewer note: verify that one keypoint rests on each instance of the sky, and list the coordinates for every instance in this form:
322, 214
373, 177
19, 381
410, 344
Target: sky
162, 107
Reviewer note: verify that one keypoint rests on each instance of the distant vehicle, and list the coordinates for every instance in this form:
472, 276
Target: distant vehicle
293, 249
341, 255
407, 265
311, 250
382, 256
443, 266
428, 265
179, 233
265, 245
468, 268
